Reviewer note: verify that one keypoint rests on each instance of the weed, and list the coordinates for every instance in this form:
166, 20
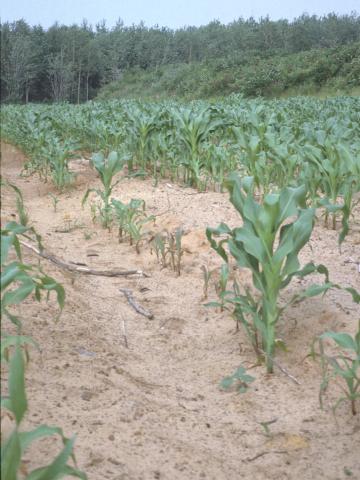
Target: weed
344, 366
240, 378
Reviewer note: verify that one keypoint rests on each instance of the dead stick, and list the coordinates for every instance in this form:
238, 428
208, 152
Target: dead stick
138, 308
80, 269
284, 371
261, 454
124, 332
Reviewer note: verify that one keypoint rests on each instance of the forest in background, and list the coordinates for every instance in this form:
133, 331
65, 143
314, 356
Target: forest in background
80, 62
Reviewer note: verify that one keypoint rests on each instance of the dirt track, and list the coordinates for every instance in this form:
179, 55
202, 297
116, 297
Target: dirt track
155, 410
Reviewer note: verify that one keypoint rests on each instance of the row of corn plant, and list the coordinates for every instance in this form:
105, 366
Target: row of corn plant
19, 281
279, 143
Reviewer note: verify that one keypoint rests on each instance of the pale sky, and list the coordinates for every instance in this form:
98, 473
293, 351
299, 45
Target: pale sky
168, 13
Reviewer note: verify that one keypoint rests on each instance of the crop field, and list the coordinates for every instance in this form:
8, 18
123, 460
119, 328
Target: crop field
180, 289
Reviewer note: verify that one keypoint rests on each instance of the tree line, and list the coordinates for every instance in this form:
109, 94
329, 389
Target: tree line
72, 63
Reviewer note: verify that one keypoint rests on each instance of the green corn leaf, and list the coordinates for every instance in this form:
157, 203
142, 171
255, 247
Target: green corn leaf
27, 438
6, 243
17, 384
10, 457
342, 339
58, 468
8, 341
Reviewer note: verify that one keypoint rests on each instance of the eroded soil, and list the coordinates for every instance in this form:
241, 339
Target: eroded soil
154, 410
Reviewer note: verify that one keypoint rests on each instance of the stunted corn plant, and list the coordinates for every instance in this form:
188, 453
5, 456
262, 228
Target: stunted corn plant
107, 169
268, 243
168, 249
131, 218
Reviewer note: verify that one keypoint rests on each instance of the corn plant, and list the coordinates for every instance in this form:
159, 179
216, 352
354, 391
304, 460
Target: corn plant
336, 173
159, 246
107, 169
344, 366
207, 274
14, 447
131, 218
268, 243
59, 156
19, 280
55, 200
221, 284
20, 207
141, 127
168, 249
194, 129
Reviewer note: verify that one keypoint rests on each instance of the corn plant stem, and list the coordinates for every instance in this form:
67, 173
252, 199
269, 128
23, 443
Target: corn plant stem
81, 269
282, 369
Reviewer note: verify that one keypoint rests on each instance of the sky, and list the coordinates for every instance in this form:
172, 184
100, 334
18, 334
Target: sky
169, 13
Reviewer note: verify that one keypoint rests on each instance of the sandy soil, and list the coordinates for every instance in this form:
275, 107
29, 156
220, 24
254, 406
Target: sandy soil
154, 410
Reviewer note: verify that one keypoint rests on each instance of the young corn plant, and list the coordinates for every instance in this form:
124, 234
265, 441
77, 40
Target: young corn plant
14, 447
20, 207
344, 367
131, 218
59, 156
175, 249
207, 274
268, 243
159, 245
168, 249
336, 173
19, 280
221, 284
194, 129
107, 169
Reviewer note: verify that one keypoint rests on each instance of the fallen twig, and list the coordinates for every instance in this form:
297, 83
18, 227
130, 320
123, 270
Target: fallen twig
124, 332
261, 454
282, 369
356, 262
82, 269
138, 308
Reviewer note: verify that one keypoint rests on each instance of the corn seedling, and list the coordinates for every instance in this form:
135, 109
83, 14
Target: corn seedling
131, 218
207, 274
107, 169
55, 200
344, 367
175, 249
221, 284
159, 246
268, 243
168, 249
